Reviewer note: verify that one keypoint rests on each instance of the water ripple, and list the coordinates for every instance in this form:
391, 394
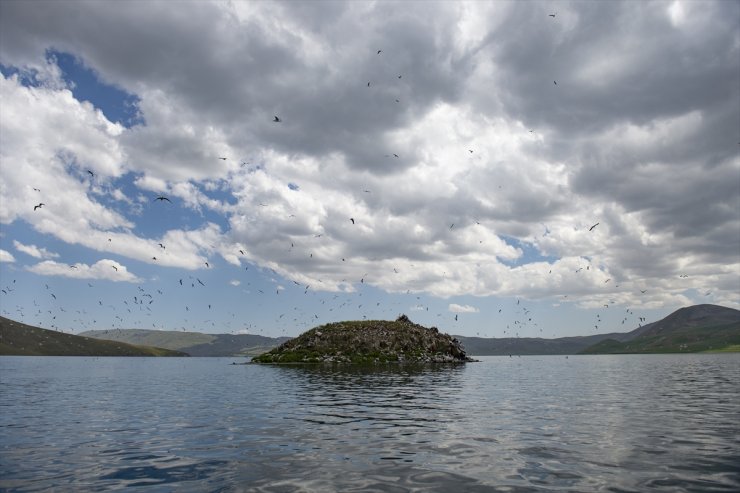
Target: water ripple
601, 423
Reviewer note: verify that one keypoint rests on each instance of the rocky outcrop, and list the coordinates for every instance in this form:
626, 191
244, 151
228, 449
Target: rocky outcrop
369, 342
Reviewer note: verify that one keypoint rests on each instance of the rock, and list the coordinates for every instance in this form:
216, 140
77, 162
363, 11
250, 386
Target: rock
369, 342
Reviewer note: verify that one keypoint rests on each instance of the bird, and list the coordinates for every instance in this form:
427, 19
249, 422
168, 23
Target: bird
276, 119
379, 52
115, 267
592, 227
352, 219
395, 155
162, 198
555, 82
207, 264
222, 158
37, 189
162, 246
38, 206
552, 15
368, 84
91, 173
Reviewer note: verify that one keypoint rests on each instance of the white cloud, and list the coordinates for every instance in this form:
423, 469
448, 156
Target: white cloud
6, 256
455, 308
102, 269
235, 282
33, 250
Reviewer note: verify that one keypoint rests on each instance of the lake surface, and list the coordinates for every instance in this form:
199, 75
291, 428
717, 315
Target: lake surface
538, 423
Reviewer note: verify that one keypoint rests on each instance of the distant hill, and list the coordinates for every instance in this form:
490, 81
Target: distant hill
193, 343
480, 346
685, 319
692, 329
25, 340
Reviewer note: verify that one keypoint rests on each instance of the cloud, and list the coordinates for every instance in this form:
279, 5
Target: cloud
6, 256
235, 282
645, 92
33, 250
102, 269
455, 308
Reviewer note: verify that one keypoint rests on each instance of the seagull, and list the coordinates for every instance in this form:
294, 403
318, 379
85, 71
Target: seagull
38, 206
276, 120
163, 198
592, 227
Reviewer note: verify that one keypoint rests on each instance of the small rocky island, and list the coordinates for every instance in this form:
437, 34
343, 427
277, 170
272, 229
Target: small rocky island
369, 342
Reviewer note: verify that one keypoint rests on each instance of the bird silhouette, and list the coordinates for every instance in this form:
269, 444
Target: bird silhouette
379, 52
222, 158
592, 227
38, 206
115, 267
91, 173
552, 15
352, 219
162, 198
276, 120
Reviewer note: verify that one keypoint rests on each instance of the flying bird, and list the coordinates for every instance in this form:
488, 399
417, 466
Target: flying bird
592, 227
352, 219
91, 173
163, 198
115, 267
37, 189
38, 206
162, 246
222, 158
276, 119
379, 52
552, 15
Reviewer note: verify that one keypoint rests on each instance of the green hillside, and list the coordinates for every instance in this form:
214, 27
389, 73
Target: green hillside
19, 339
700, 328
193, 343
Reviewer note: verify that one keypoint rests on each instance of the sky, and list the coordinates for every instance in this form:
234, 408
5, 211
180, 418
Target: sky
494, 169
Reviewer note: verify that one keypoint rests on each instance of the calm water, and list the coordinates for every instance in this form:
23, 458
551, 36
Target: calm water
538, 423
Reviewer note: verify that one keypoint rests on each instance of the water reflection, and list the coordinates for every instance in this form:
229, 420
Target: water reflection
520, 424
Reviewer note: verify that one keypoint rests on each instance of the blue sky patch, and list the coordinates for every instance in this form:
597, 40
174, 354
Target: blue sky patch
116, 104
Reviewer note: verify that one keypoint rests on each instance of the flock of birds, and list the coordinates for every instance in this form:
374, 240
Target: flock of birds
128, 311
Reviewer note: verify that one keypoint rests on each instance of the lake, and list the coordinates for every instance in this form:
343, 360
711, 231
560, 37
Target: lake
537, 423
